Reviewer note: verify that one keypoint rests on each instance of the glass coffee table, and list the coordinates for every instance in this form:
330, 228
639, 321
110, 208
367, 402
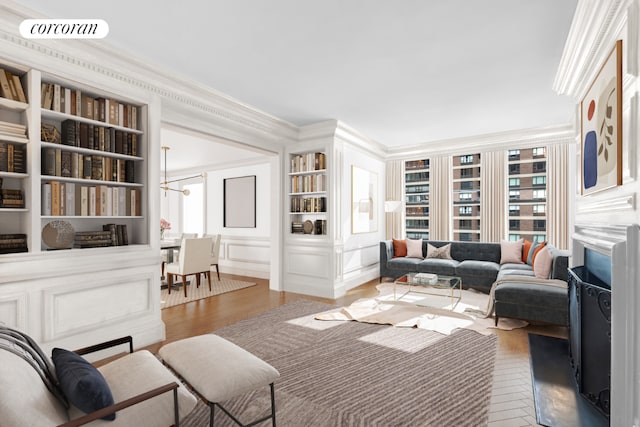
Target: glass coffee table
451, 285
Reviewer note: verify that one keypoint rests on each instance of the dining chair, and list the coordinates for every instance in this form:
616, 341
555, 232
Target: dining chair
215, 251
194, 258
172, 254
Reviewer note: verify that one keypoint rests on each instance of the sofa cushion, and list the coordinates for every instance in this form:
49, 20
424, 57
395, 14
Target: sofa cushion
414, 248
82, 384
542, 264
399, 248
404, 264
478, 268
514, 272
535, 248
445, 267
526, 247
443, 252
532, 295
511, 252
23, 388
511, 266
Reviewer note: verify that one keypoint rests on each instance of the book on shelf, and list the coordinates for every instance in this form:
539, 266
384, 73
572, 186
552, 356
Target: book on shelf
308, 162
11, 198
12, 157
118, 232
11, 86
13, 243
13, 129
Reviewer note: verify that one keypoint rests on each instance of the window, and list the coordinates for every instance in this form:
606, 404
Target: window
466, 185
465, 196
465, 237
539, 152
514, 210
193, 209
539, 237
514, 154
539, 167
514, 194
466, 160
514, 224
514, 182
539, 209
514, 237
466, 173
464, 224
539, 225
514, 169
416, 190
539, 180
465, 210
539, 194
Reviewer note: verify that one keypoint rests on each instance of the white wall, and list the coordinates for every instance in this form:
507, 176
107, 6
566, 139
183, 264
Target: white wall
245, 251
361, 253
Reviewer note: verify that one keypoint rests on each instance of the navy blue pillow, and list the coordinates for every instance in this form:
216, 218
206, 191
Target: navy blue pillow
83, 385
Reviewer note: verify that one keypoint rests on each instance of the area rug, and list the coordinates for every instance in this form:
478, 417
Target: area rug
359, 374
194, 293
432, 312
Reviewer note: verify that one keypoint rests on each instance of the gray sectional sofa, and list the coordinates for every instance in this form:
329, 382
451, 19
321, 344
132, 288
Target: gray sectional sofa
478, 264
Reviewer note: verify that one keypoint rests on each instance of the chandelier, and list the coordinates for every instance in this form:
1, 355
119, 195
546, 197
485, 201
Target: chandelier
164, 185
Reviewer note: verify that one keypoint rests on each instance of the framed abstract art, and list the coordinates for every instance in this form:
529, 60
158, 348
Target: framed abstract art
364, 201
601, 127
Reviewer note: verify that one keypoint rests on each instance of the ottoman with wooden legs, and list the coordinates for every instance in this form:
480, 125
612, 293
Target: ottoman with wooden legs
218, 370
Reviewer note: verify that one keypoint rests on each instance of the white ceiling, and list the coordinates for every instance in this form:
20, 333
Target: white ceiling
401, 72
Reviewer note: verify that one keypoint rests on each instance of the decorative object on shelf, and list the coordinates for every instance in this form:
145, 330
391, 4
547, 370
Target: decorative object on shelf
307, 227
164, 225
50, 133
601, 127
58, 234
240, 202
364, 200
165, 184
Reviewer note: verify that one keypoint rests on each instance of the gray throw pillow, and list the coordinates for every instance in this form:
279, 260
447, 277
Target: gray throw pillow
443, 252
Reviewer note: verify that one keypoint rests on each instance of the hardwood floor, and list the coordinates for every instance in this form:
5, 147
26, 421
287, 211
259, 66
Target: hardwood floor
512, 396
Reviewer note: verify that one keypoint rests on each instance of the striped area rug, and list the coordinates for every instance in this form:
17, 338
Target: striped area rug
194, 293
358, 374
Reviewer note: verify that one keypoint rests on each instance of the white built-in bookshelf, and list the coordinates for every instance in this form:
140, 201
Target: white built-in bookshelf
81, 166
308, 183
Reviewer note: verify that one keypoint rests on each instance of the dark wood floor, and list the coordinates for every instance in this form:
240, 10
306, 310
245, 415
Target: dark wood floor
511, 399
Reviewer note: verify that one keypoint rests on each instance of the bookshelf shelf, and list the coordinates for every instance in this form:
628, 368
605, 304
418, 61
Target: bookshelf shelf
14, 210
307, 194
90, 181
15, 175
90, 151
14, 139
10, 104
59, 117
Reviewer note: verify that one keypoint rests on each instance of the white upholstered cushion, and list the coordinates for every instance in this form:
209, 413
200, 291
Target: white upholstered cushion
217, 368
134, 374
24, 398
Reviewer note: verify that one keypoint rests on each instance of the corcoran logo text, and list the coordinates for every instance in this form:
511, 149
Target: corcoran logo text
64, 29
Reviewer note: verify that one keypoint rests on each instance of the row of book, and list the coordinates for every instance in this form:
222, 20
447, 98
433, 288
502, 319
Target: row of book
11, 198
11, 86
319, 227
56, 97
94, 137
12, 157
71, 199
10, 129
308, 204
308, 183
308, 162
67, 164
110, 235
13, 243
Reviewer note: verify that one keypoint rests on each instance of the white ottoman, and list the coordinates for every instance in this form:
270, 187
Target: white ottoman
218, 370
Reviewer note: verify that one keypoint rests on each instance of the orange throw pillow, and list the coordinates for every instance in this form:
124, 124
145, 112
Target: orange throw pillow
399, 248
525, 250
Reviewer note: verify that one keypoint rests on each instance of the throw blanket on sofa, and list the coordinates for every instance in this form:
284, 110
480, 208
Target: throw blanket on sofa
514, 279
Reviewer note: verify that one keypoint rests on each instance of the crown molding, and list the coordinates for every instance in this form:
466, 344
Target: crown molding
595, 27
98, 63
489, 142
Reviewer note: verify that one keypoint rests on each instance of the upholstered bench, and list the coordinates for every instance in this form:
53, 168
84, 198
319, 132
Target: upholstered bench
219, 370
